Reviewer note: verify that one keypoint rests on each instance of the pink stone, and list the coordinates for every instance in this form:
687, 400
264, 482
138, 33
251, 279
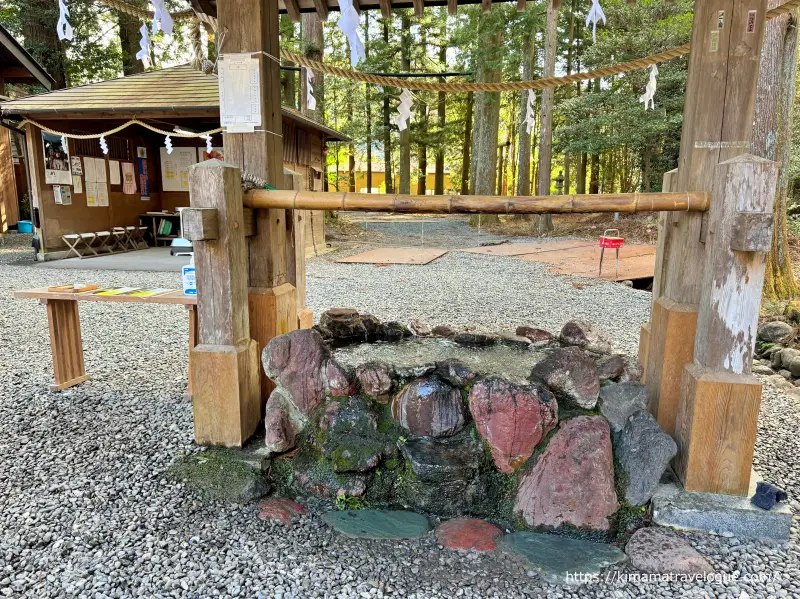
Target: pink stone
468, 533
295, 362
280, 427
429, 407
375, 380
280, 509
340, 383
512, 418
572, 481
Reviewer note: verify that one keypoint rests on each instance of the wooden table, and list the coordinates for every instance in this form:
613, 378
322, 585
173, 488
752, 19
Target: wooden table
64, 322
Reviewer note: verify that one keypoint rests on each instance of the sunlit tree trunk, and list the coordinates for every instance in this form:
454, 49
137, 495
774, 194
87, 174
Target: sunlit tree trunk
405, 134
543, 223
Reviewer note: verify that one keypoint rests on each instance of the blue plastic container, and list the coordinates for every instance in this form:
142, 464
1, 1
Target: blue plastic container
24, 226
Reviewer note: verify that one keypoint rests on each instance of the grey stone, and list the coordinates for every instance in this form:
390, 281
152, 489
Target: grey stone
794, 367
455, 372
584, 335
611, 368
515, 341
429, 407
539, 337
419, 328
571, 375
620, 400
764, 370
644, 452
378, 524
785, 374
472, 339
775, 359
725, 514
442, 330
562, 560
774, 332
392, 331
787, 355
660, 551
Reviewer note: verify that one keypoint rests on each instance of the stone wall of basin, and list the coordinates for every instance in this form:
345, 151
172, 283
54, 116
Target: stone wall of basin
571, 445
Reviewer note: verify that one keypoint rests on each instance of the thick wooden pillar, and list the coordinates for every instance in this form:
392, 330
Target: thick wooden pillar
718, 410
252, 26
717, 124
296, 252
224, 366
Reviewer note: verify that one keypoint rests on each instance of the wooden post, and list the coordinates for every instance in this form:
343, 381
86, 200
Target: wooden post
717, 124
225, 363
252, 26
296, 251
718, 411
66, 343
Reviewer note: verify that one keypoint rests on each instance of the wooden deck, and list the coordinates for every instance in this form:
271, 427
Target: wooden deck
581, 258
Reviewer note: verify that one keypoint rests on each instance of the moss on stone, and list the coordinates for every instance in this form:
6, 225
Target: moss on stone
220, 474
281, 475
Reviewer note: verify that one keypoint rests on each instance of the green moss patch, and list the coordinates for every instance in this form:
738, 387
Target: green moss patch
220, 475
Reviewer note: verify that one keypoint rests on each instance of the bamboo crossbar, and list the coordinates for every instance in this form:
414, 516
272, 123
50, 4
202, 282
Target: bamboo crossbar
563, 204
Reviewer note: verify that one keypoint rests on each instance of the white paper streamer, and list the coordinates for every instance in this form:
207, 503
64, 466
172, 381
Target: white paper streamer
144, 44
209, 147
168, 144
650, 89
594, 16
348, 23
64, 142
404, 110
162, 20
103, 144
530, 111
63, 27
311, 101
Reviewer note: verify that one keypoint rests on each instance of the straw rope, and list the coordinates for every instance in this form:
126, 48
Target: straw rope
609, 71
201, 135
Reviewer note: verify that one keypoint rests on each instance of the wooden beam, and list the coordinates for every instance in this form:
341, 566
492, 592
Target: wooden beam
386, 8
556, 4
486, 5
419, 8
199, 224
293, 10
563, 204
322, 9
718, 412
224, 364
357, 6
452, 7
521, 5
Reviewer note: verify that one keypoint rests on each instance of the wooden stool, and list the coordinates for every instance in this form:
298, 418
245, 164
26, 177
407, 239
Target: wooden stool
74, 242
119, 240
103, 237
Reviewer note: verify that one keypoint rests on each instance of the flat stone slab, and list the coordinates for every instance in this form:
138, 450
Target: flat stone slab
378, 524
675, 507
468, 533
562, 560
662, 551
280, 509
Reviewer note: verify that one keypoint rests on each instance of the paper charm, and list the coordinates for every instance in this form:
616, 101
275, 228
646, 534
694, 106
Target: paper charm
103, 144
348, 23
168, 144
530, 111
209, 147
650, 89
311, 101
64, 142
144, 44
162, 20
63, 27
594, 16
404, 110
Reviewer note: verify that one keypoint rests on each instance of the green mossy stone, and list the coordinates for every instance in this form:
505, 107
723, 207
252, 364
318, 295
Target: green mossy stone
221, 475
557, 559
378, 524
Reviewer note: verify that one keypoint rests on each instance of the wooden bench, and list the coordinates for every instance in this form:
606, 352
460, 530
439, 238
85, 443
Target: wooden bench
64, 322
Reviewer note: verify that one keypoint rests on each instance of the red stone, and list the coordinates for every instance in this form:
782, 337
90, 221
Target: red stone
340, 383
512, 418
468, 533
280, 428
375, 380
572, 481
296, 361
539, 337
280, 509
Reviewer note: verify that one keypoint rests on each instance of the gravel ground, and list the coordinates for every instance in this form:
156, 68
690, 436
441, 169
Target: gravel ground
86, 509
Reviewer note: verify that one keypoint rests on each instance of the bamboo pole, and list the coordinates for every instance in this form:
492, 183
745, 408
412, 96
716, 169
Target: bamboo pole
565, 204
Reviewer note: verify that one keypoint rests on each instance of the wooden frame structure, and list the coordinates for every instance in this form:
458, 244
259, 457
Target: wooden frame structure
696, 350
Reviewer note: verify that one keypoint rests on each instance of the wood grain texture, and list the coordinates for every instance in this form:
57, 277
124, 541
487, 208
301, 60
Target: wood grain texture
225, 393
66, 344
172, 297
273, 312
670, 348
9, 208
296, 242
644, 346
248, 222
665, 223
733, 280
715, 430
199, 224
752, 232
305, 319
193, 332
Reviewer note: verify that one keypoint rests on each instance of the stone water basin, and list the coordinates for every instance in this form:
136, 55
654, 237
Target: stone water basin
510, 362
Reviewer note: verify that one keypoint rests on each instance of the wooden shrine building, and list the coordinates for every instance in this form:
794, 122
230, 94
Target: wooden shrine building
173, 99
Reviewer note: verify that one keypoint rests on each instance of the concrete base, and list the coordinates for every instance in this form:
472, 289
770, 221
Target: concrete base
723, 514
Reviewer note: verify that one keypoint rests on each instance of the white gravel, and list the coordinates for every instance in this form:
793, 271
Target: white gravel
87, 511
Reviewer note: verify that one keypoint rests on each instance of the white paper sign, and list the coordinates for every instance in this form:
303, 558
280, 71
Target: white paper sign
56, 160
175, 168
239, 93
57, 194
77, 183
88, 169
91, 192
100, 170
102, 194
114, 176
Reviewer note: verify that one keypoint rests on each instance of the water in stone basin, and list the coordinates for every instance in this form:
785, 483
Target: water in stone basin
511, 363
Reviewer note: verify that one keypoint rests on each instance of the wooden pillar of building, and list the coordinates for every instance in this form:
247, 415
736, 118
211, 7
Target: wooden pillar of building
251, 26
718, 411
717, 123
224, 365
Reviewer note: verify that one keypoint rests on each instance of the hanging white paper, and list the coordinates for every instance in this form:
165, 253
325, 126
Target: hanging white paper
530, 111
144, 44
77, 184
348, 23
650, 89
103, 144
100, 170
594, 16
209, 146
114, 176
91, 193
404, 110
168, 144
311, 101
63, 27
102, 195
89, 170
162, 20
239, 93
